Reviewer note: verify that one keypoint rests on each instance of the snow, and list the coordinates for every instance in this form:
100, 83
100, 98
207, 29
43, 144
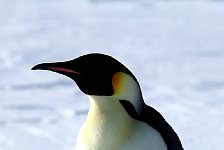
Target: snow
175, 49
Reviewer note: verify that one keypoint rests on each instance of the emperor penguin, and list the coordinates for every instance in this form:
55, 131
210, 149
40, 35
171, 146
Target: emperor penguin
118, 118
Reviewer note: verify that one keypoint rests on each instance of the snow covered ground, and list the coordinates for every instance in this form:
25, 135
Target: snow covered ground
175, 48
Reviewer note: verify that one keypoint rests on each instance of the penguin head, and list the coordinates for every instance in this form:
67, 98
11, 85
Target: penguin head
95, 74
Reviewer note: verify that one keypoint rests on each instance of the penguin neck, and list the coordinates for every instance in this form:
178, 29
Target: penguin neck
127, 88
107, 109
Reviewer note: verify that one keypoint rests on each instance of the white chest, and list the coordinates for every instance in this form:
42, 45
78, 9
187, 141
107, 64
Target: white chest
111, 128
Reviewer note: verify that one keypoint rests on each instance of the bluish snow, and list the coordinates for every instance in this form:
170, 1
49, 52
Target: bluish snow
175, 49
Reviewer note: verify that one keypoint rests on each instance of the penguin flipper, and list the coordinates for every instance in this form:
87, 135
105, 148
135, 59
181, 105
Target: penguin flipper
153, 118
157, 121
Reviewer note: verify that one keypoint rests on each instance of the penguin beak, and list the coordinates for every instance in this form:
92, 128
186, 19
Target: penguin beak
58, 67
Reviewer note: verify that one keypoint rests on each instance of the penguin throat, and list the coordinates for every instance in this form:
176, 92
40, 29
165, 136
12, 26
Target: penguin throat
126, 88
106, 114
107, 106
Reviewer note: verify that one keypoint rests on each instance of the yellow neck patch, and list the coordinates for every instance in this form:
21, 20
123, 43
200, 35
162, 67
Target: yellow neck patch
125, 87
117, 82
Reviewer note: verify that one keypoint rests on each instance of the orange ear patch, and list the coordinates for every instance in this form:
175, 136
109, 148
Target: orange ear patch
116, 81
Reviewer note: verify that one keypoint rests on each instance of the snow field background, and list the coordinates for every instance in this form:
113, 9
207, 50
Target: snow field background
175, 49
